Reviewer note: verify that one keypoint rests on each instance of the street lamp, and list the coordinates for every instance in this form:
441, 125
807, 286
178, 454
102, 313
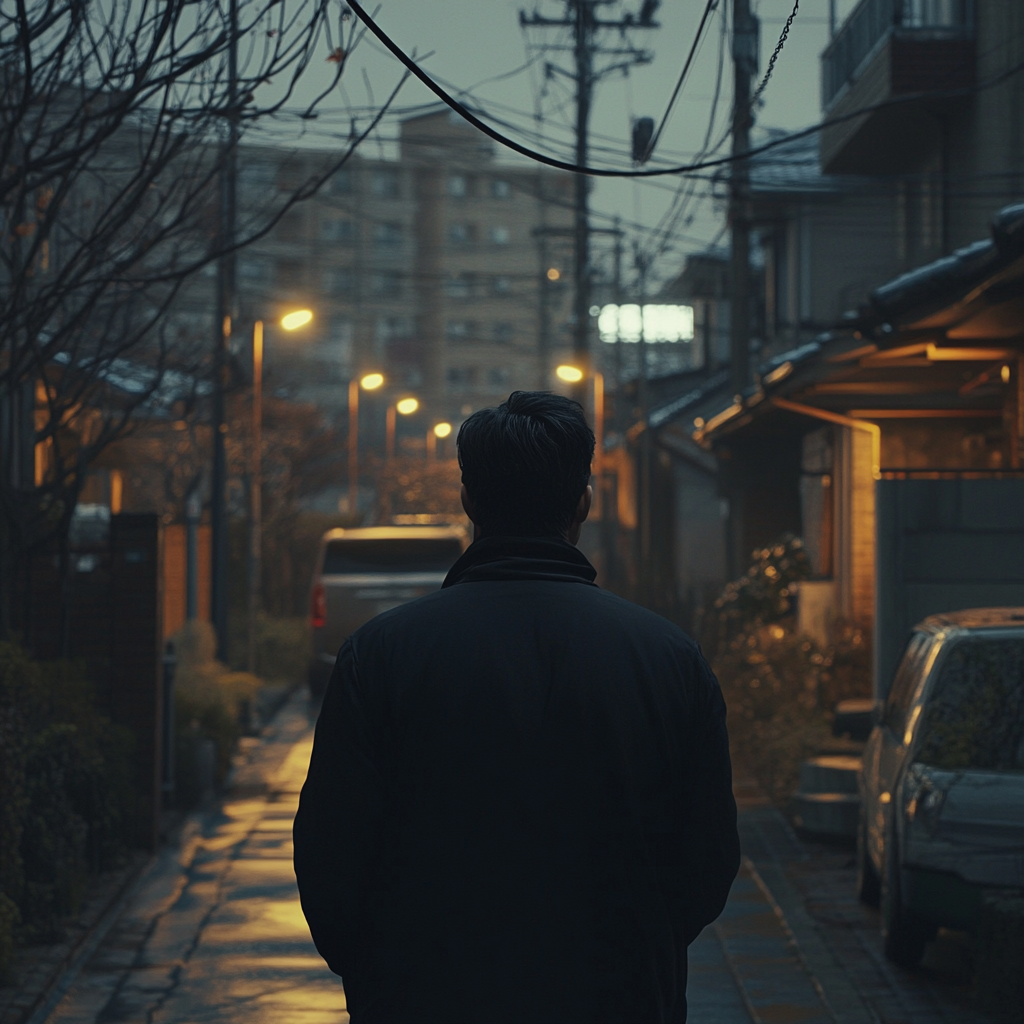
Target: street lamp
368, 382
439, 432
405, 406
573, 375
290, 322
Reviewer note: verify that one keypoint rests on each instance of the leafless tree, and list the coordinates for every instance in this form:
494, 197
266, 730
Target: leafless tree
115, 117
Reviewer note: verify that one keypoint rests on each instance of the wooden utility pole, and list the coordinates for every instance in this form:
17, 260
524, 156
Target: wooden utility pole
745, 41
581, 17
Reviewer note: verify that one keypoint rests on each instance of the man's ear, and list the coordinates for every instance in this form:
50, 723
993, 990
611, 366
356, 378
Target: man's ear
470, 510
580, 516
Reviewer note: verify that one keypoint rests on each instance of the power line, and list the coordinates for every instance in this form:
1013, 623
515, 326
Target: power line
602, 172
708, 8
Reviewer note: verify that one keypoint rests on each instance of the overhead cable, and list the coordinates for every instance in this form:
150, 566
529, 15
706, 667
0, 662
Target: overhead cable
708, 8
602, 172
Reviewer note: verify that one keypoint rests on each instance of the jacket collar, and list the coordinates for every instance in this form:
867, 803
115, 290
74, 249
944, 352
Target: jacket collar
521, 558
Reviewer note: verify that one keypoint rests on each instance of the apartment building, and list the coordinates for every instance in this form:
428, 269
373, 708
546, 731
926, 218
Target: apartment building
444, 270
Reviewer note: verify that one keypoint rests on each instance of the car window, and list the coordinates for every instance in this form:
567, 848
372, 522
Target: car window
905, 682
400, 554
975, 717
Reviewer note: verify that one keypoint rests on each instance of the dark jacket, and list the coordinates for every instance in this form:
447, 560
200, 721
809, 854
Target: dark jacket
519, 803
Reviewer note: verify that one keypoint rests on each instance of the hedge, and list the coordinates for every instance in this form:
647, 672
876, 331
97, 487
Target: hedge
67, 795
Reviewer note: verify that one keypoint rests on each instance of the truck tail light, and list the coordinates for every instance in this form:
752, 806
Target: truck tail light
318, 606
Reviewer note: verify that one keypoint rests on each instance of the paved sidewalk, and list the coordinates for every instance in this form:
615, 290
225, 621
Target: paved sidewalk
216, 933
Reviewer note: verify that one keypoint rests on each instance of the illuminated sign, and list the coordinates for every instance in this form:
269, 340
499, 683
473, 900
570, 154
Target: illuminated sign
657, 323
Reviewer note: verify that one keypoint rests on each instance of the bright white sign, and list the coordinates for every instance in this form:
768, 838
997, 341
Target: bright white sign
656, 323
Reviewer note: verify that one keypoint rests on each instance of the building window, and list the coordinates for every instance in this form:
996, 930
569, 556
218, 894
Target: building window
460, 234
342, 336
501, 285
500, 189
503, 332
386, 284
290, 228
289, 273
461, 376
460, 330
500, 235
253, 271
459, 286
340, 282
394, 328
458, 186
387, 234
258, 177
384, 184
338, 229
341, 182
498, 376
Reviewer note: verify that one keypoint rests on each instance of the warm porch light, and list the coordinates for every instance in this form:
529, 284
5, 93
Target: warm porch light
442, 429
297, 318
407, 406
554, 273
372, 381
570, 374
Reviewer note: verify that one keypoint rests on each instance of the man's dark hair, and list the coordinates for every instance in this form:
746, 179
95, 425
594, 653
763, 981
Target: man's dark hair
526, 464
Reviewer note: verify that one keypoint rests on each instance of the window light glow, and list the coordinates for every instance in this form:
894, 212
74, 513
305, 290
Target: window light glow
657, 323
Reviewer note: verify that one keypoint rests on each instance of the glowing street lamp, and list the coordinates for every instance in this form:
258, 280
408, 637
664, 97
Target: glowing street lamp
369, 382
573, 375
296, 319
439, 432
290, 322
406, 406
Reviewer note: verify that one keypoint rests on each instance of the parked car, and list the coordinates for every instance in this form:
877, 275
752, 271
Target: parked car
942, 788
362, 572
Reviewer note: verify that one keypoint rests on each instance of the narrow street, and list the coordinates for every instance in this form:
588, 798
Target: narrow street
215, 932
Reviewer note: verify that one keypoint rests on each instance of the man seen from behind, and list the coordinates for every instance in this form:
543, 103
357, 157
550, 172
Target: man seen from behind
519, 804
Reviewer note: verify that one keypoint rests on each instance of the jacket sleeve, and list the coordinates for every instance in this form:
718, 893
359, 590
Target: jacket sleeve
338, 824
713, 850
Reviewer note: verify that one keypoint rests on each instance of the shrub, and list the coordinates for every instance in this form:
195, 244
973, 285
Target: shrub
67, 793
781, 687
209, 703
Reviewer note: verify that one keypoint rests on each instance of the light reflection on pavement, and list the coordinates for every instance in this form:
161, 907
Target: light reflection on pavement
226, 939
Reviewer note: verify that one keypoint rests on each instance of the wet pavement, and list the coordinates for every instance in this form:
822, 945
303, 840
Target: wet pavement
215, 932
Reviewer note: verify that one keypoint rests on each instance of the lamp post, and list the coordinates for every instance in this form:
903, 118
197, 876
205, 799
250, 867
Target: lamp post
573, 375
290, 322
369, 382
437, 433
405, 406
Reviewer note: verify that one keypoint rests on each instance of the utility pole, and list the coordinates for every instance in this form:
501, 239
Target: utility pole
644, 476
745, 41
581, 17
222, 339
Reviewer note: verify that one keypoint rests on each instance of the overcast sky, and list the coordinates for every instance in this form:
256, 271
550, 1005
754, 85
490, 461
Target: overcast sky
472, 41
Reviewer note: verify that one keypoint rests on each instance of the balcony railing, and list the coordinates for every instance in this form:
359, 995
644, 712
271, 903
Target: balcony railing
872, 22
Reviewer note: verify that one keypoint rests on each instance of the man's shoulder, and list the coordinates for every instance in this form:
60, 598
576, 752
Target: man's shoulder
581, 604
